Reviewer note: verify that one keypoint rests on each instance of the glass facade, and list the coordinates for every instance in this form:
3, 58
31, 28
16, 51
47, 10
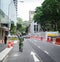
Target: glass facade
7, 14
4, 11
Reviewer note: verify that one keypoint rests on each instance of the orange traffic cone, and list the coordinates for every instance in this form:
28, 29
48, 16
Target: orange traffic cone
9, 45
12, 43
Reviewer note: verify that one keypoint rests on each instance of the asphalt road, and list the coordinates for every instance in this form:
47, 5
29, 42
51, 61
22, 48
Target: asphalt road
28, 54
35, 51
47, 51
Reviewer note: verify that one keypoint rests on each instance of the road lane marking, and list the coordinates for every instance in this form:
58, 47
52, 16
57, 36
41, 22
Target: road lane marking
16, 55
46, 52
34, 56
41, 49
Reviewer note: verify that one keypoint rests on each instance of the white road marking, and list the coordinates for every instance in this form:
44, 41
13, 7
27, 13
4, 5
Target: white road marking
16, 55
41, 49
35, 58
46, 52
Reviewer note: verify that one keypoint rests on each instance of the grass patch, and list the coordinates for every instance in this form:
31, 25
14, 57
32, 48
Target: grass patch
13, 38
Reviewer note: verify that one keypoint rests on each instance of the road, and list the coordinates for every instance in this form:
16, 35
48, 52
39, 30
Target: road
25, 56
35, 51
47, 51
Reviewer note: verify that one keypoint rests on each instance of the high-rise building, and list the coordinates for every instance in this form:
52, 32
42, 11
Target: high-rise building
15, 2
34, 27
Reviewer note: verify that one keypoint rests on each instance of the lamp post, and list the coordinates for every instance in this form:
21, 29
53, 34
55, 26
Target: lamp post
9, 23
21, 1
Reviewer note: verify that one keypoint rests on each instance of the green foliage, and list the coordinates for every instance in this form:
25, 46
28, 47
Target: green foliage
48, 14
19, 20
13, 28
21, 25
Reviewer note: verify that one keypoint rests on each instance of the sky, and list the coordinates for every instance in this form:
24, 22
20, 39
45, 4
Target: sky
25, 6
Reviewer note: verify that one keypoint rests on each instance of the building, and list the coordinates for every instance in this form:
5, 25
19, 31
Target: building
8, 13
34, 27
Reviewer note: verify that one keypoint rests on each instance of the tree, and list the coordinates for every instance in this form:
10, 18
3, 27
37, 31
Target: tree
49, 14
13, 28
21, 25
39, 17
51, 9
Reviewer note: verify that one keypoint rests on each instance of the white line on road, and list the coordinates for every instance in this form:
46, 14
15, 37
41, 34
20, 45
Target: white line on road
35, 58
41, 49
46, 52
16, 55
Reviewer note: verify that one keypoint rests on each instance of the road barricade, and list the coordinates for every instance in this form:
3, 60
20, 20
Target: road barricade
49, 39
57, 41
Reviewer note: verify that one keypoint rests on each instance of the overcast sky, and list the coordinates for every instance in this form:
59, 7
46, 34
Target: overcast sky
24, 7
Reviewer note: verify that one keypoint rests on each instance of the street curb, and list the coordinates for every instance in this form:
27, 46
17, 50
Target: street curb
4, 53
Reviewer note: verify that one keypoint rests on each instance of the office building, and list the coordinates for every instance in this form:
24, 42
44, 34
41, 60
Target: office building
34, 27
8, 13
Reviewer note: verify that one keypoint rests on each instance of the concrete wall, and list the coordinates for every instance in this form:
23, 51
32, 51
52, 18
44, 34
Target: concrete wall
32, 23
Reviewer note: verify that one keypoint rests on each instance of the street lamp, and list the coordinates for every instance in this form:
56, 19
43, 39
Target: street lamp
9, 23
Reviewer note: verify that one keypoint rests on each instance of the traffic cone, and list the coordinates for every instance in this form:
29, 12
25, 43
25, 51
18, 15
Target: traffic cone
9, 44
12, 43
